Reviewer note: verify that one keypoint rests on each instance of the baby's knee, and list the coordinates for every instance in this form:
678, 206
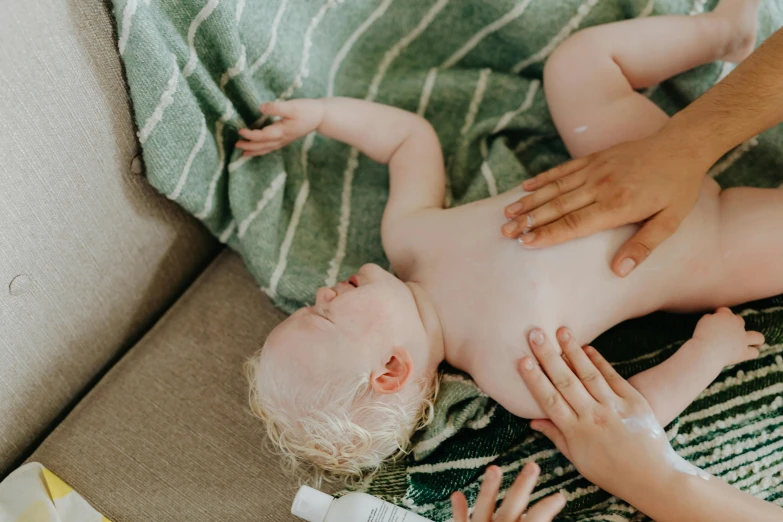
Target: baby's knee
572, 52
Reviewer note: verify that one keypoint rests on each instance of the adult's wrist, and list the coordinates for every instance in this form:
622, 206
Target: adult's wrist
691, 141
670, 497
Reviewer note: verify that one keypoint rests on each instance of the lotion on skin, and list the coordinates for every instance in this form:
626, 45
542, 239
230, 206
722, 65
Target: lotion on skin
315, 506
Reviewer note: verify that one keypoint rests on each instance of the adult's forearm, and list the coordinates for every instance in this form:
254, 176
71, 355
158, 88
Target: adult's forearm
686, 498
747, 102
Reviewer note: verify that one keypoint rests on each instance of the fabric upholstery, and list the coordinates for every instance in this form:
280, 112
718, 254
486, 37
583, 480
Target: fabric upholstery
90, 255
168, 435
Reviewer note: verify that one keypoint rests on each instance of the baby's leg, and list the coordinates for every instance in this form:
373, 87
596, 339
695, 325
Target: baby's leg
750, 247
591, 79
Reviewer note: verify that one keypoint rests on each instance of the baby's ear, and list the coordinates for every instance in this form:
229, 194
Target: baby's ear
396, 372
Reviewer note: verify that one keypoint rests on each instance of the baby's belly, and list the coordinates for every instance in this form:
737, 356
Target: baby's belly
505, 290
489, 279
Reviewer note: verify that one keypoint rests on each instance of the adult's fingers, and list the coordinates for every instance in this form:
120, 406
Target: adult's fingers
548, 429
615, 381
641, 245
459, 507
518, 495
557, 208
545, 510
485, 501
591, 378
550, 175
545, 394
583, 222
559, 373
547, 193
549, 212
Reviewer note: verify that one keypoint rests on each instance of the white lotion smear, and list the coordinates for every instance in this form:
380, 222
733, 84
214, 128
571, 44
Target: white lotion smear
650, 426
580, 130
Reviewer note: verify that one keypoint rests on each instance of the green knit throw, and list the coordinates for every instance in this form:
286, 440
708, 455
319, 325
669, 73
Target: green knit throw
310, 214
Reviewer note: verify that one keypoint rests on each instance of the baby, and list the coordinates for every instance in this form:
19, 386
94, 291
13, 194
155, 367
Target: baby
343, 384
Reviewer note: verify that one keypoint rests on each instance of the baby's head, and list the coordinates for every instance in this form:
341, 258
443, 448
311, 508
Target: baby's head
343, 384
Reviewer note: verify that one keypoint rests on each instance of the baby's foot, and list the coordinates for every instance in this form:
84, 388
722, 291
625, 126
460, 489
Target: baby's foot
742, 16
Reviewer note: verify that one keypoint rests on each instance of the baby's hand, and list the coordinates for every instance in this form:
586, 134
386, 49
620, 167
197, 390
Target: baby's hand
725, 333
299, 118
514, 504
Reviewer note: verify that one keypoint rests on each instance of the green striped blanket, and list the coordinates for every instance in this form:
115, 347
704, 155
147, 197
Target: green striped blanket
310, 214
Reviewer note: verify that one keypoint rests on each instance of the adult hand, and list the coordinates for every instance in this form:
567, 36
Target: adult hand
631, 182
601, 423
515, 503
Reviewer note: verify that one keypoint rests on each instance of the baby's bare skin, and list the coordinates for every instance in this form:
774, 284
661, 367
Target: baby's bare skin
489, 292
474, 296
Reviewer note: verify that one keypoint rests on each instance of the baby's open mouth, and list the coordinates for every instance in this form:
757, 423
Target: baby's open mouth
353, 281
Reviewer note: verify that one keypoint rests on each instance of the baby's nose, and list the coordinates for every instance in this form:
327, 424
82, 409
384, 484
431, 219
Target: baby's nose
324, 295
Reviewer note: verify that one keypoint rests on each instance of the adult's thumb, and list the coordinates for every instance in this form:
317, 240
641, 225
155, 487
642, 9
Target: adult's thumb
548, 429
641, 245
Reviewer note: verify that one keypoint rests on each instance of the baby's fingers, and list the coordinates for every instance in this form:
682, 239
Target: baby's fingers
545, 510
754, 338
253, 148
276, 108
270, 133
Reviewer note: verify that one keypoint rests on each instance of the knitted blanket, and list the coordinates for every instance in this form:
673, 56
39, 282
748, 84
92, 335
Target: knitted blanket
310, 214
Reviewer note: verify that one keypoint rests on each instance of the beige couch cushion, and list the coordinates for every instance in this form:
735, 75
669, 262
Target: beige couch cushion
167, 435
90, 255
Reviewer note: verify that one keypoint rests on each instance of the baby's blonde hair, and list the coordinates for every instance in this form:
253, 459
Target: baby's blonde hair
343, 431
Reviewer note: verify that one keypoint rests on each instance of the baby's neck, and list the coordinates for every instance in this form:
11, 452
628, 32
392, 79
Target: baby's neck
431, 321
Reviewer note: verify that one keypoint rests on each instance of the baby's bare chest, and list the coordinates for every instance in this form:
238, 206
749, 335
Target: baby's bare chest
490, 291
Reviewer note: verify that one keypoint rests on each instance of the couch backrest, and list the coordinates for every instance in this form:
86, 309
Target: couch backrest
90, 255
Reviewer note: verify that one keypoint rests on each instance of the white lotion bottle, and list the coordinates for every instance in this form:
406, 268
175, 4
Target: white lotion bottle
314, 506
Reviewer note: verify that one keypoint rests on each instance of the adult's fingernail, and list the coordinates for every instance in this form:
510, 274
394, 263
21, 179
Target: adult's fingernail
514, 207
537, 337
527, 364
564, 335
528, 183
626, 265
510, 227
530, 221
529, 469
528, 238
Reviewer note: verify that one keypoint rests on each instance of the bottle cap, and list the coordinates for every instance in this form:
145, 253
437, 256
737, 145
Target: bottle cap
311, 504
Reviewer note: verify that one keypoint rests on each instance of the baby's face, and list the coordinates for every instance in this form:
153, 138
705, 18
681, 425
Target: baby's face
352, 327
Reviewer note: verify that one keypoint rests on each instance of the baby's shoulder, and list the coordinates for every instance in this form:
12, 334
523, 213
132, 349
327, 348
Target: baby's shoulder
407, 239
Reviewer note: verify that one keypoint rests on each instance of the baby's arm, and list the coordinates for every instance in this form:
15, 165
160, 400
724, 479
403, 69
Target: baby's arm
403, 140
719, 340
